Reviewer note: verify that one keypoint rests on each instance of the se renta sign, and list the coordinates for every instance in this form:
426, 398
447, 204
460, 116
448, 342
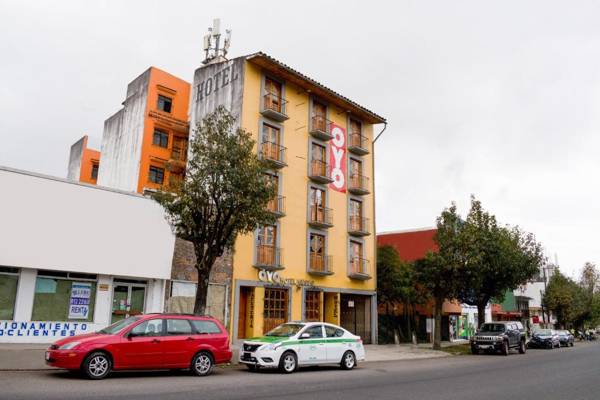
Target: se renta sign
337, 158
79, 303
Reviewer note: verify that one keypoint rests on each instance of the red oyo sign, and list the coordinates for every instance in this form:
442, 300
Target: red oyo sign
337, 158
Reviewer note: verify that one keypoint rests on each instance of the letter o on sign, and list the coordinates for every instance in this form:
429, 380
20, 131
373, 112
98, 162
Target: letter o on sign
338, 137
262, 275
338, 178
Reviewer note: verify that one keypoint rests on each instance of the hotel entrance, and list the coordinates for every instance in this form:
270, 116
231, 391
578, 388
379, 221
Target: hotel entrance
275, 309
356, 315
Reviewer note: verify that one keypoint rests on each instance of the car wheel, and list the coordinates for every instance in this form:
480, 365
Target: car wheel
522, 347
202, 364
96, 365
348, 360
572, 344
505, 348
288, 362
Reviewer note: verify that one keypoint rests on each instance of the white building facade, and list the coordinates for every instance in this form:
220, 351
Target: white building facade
75, 258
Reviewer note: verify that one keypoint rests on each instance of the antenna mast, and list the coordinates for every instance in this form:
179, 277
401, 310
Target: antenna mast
213, 52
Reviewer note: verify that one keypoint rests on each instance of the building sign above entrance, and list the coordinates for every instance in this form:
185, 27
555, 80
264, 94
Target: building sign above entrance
274, 278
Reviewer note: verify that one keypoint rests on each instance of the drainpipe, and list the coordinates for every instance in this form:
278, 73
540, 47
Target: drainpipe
374, 308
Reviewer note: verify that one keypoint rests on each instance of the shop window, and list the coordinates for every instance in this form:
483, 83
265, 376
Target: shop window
94, 175
313, 306
156, 175
275, 308
160, 138
164, 103
9, 280
59, 299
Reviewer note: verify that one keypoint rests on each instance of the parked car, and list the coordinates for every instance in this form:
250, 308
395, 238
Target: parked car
565, 338
499, 336
152, 341
296, 344
544, 339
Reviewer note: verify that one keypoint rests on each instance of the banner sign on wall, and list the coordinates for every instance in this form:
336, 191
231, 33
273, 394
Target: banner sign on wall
337, 158
79, 303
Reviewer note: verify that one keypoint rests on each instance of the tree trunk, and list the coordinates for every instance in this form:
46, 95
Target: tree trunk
437, 330
481, 314
201, 293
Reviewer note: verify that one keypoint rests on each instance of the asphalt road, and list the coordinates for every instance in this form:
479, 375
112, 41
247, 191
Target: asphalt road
567, 373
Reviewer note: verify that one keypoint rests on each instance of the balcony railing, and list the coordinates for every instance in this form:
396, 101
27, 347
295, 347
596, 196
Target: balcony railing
273, 153
320, 127
274, 107
358, 268
277, 205
358, 143
320, 264
268, 257
358, 226
320, 171
320, 217
358, 184
177, 160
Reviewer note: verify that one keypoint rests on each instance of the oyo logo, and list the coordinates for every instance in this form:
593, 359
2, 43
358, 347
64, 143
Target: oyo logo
269, 276
337, 158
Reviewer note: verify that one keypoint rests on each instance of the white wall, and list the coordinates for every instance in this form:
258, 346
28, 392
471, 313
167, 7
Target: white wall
50, 223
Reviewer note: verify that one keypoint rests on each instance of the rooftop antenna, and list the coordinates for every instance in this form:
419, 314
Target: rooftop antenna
213, 52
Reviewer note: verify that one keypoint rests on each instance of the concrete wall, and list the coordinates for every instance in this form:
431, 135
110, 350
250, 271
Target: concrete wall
75, 156
50, 223
214, 85
122, 139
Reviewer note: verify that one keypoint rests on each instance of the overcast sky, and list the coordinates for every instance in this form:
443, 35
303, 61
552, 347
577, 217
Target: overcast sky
498, 99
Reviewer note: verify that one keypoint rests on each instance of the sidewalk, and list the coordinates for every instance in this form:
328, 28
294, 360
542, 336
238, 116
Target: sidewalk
23, 357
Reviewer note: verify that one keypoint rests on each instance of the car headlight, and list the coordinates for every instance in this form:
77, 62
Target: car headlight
270, 346
499, 338
69, 346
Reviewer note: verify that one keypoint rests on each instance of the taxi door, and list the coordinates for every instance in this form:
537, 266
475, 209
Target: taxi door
335, 344
312, 348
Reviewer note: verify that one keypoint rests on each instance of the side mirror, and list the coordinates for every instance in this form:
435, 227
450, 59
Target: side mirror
305, 336
130, 335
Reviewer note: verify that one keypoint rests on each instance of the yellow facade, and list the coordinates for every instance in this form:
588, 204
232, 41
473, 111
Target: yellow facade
248, 291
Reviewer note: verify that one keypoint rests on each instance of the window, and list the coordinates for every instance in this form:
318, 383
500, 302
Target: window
315, 332
160, 138
273, 95
355, 209
333, 332
355, 167
178, 327
267, 235
355, 127
266, 249
317, 204
319, 160
275, 308
179, 151
157, 175
318, 152
319, 116
271, 134
59, 299
153, 327
9, 280
313, 305
94, 175
205, 327
317, 252
164, 103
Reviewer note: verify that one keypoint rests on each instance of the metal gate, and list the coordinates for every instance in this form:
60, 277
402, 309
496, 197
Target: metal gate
356, 315
275, 310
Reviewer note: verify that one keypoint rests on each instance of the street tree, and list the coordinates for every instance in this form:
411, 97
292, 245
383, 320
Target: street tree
439, 272
563, 297
590, 287
224, 194
495, 258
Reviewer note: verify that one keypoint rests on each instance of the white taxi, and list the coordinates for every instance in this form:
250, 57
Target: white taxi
296, 344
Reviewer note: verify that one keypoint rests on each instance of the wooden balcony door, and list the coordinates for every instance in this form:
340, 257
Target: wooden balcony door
356, 257
319, 113
179, 151
267, 241
273, 95
271, 138
317, 252
355, 172
273, 205
355, 133
317, 204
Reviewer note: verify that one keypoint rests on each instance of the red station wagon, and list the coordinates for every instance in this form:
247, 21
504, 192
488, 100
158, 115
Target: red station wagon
152, 341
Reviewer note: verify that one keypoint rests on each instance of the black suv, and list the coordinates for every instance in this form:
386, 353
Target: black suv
500, 336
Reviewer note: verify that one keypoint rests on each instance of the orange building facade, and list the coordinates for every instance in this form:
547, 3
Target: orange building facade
84, 163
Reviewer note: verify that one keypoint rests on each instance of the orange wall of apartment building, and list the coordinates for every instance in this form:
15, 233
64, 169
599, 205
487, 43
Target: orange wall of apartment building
175, 123
89, 158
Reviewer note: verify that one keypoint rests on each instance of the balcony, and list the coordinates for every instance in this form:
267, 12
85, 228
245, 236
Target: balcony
277, 206
320, 217
320, 171
268, 257
358, 144
320, 127
320, 264
274, 107
358, 268
273, 153
358, 184
177, 161
358, 226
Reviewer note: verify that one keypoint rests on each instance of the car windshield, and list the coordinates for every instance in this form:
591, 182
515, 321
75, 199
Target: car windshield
492, 328
285, 330
118, 326
543, 332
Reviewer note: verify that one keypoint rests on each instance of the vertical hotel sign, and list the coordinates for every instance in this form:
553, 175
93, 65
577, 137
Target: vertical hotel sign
337, 158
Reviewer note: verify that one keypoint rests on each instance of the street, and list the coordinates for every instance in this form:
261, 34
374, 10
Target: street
566, 373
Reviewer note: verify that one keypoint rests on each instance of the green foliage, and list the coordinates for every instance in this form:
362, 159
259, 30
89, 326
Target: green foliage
224, 194
563, 297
